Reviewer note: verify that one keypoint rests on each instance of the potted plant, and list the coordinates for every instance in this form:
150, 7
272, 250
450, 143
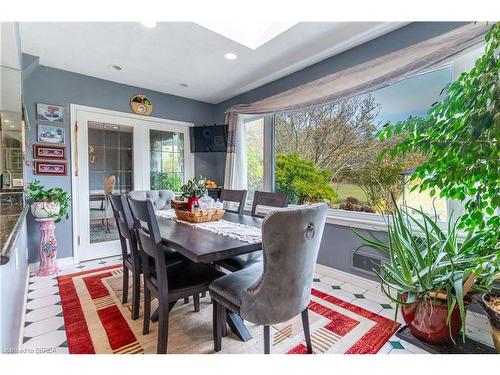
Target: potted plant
193, 190
430, 273
51, 203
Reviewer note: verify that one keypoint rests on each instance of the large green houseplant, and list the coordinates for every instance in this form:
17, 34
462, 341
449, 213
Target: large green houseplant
429, 272
459, 138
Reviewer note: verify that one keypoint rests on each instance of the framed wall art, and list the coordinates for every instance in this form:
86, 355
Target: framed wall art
47, 133
49, 152
50, 168
48, 112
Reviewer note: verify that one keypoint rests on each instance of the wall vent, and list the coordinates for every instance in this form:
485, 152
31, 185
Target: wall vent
365, 263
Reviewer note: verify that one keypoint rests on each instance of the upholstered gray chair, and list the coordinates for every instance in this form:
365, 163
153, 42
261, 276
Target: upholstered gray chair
281, 289
160, 198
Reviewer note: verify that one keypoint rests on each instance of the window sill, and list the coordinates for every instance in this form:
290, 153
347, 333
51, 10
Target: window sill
358, 220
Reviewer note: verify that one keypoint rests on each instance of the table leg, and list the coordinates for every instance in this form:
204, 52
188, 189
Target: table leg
238, 326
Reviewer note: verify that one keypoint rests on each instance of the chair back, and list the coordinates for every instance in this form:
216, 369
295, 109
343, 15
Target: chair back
264, 198
125, 225
290, 242
237, 196
149, 238
109, 184
160, 198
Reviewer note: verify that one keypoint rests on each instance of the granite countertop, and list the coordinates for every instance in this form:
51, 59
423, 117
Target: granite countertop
12, 213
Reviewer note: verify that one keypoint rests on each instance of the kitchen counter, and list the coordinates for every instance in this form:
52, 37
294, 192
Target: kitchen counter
12, 214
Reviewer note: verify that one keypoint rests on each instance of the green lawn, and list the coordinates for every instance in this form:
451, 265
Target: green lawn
348, 190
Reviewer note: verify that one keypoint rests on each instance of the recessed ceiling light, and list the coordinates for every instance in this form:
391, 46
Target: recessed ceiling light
148, 24
115, 67
183, 85
231, 56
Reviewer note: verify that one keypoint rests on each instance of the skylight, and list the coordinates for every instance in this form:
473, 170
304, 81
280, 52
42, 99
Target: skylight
251, 34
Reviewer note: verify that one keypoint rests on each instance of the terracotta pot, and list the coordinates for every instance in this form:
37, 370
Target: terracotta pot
427, 321
494, 319
191, 201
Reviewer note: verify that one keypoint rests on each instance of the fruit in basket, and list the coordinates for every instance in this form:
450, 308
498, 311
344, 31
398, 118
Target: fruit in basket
211, 184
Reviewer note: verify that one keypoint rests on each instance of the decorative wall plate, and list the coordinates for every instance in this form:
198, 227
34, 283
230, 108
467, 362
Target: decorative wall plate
141, 104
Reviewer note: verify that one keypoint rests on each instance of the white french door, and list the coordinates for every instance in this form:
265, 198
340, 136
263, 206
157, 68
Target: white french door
119, 152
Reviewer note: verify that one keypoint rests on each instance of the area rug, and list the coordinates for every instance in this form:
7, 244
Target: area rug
97, 322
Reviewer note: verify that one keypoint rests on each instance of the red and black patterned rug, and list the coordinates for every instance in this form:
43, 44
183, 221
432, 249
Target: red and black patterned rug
97, 322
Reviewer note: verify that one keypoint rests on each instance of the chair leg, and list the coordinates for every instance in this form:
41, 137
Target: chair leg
217, 326
203, 295
196, 300
186, 300
223, 319
307, 334
147, 310
125, 285
136, 294
267, 340
163, 330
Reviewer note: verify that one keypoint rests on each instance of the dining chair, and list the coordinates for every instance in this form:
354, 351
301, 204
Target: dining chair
167, 284
240, 262
271, 199
282, 288
234, 196
109, 185
130, 253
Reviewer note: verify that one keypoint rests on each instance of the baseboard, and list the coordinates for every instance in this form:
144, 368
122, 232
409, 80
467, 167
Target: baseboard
62, 262
23, 311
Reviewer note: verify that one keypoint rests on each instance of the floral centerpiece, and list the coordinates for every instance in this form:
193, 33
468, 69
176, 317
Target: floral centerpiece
193, 190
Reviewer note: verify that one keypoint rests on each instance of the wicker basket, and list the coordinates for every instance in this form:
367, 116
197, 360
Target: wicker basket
178, 205
200, 217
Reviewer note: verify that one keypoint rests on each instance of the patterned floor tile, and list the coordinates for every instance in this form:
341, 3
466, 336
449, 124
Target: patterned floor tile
322, 287
396, 344
43, 326
331, 281
376, 297
346, 296
43, 313
352, 289
49, 340
400, 351
385, 349
368, 305
41, 284
42, 292
42, 302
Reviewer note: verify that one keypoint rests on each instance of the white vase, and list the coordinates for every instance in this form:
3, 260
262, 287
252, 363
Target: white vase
43, 210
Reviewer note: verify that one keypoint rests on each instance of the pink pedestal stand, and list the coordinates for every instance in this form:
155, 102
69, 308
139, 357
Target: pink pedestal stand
48, 247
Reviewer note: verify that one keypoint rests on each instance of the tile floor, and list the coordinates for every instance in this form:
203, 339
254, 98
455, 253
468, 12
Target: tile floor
44, 325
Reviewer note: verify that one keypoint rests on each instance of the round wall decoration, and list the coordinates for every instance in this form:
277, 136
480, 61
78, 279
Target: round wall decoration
141, 104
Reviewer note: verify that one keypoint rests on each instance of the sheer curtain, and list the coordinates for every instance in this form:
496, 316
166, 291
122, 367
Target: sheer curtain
236, 160
357, 80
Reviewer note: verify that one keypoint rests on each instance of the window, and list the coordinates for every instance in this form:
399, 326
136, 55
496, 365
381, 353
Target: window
329, 153
166, 160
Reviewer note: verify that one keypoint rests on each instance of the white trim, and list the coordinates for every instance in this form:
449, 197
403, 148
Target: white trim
141, 125
23, 311
102, 111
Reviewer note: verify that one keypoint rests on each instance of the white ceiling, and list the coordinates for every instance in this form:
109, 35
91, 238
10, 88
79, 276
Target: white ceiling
172, 53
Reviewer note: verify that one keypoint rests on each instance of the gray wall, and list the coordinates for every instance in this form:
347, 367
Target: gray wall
54, 86
12, 288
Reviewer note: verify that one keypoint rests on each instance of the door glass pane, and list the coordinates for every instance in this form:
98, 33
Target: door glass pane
166, 160
110, 152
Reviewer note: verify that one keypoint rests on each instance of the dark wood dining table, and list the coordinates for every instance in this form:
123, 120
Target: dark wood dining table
203, 246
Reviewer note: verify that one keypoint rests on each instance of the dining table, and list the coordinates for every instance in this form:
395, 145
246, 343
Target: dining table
204, 246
